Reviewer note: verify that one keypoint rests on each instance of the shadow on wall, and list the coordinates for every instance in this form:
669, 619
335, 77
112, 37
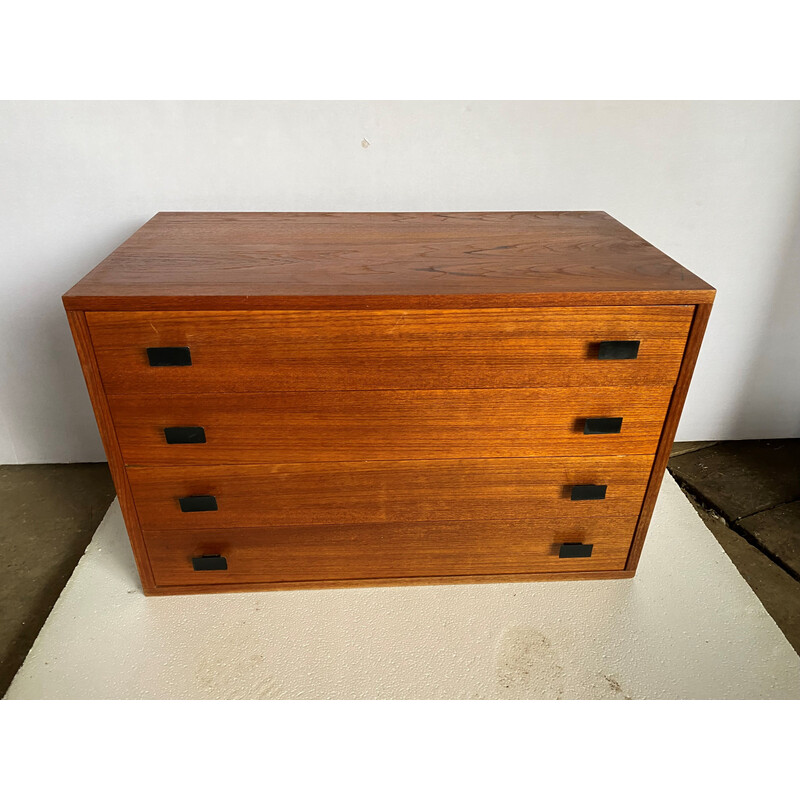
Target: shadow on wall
770, 388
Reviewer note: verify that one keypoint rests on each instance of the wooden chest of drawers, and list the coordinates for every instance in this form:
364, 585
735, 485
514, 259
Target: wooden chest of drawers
312, 400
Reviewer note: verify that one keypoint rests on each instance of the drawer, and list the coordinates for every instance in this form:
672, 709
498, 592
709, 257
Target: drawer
391, 550
292, 427
169, 498
254, 351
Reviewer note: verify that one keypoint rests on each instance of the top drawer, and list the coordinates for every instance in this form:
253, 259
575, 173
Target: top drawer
256, 351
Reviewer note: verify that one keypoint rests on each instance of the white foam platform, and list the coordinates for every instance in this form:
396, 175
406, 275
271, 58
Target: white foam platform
687, 626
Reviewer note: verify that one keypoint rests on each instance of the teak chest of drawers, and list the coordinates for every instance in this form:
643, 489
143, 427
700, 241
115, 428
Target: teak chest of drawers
310, 400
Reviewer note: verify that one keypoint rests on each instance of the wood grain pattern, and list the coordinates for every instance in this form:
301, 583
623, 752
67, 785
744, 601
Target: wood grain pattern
293, 427
395, 491
677, 400
388, 399
349, 350
230, 261
428, 580
80, 333
391, 550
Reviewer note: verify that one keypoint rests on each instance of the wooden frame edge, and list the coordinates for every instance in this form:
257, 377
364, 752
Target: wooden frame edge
693, 342
217, 588
383, 302
102, 413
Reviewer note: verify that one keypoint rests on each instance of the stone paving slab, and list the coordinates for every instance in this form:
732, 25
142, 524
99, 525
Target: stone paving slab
48, 514
679, 448
742, 478
778, 531
776, 589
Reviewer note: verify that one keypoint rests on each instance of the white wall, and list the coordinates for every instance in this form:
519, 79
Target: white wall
716, 185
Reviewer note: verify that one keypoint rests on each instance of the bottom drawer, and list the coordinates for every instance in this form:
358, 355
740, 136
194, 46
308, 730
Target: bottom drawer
392, 550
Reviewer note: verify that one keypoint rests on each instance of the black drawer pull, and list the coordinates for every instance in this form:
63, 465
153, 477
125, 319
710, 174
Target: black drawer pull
201, 563
588, 491
602, 425
185, 435
618, 351
575, 550
198, 502
169, 356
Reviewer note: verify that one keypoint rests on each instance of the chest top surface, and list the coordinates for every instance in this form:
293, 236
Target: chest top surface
207, 261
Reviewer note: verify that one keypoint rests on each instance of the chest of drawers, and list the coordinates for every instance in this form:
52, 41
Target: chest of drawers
323, 400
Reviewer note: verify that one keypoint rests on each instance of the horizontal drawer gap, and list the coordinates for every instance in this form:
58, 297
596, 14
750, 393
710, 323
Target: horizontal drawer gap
167, 533
544, 387
510, 307
477, 388
466, 459
245, 464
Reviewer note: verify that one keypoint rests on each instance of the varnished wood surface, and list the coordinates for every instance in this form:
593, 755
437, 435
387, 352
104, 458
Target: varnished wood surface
389, 366
231, 261
395, 491
291, 427
83, 344
412, 349
677, 400
391, 550
431, 580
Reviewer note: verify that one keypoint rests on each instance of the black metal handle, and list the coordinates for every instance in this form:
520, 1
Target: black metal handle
169, 356
598, 425
618, 351
198, 502
185, 435
588, 491
575, 550
202, 563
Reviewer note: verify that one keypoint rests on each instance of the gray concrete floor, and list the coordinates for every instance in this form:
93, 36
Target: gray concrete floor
747, 493
48, 514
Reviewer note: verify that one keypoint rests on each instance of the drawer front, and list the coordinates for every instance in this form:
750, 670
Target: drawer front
169, 498
292, 427
255, 351
391, 550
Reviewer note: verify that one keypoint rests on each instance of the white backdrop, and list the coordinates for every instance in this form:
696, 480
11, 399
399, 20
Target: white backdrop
716, 185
